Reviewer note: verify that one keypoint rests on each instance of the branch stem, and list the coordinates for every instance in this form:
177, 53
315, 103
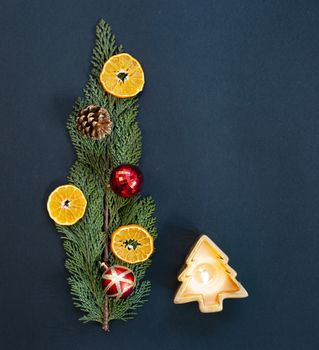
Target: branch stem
105, 320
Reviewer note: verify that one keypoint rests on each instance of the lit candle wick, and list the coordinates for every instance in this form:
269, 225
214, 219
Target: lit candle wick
205, 276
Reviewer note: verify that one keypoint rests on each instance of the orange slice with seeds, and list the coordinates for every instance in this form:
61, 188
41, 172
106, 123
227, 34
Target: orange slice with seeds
132, 244
122, 76
66, 205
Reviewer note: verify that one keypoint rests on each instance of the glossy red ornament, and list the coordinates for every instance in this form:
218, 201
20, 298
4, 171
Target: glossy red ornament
118, 281
126, 180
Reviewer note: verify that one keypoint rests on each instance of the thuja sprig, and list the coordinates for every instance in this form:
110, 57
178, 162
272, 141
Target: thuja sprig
84, 242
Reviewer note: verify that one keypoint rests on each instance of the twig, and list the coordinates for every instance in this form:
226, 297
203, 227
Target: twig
105, 321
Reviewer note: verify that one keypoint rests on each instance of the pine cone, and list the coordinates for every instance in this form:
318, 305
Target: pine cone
94, 122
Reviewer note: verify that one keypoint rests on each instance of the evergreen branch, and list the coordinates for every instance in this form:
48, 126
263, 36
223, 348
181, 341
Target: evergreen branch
105, 46
84, 242
126, 309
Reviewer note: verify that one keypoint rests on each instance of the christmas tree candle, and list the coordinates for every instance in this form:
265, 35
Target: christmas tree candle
207, 278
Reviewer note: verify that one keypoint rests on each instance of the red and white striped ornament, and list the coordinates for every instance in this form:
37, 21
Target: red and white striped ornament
118, 281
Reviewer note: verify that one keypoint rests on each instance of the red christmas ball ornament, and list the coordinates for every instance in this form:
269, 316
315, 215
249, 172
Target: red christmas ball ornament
126, 180
118, 281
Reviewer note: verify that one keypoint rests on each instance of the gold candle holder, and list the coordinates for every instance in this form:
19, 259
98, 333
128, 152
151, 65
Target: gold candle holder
207, 278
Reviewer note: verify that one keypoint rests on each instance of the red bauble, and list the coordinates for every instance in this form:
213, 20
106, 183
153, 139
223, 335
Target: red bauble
118, 281
126, 180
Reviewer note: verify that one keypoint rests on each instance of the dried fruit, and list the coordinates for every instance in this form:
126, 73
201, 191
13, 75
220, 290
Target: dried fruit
132, 244
122, 76
66, 205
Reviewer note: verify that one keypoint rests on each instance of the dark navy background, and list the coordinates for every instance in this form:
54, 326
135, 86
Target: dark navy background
230, 125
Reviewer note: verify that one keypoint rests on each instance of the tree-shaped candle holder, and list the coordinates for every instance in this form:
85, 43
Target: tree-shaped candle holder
207, 278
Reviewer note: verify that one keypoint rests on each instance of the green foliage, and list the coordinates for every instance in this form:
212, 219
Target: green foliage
84, 242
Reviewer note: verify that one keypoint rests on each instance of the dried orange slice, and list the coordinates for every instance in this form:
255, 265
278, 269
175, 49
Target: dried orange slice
122, 76
132, 244
66, 205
